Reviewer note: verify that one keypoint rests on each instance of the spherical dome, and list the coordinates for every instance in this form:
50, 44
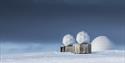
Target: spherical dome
101, 43
82, 37
68, 40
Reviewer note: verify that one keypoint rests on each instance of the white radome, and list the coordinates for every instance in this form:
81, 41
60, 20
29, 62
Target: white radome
101, 43
68, 40
82, 37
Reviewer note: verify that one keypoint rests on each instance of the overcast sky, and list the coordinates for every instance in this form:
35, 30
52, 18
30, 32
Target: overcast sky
48, 21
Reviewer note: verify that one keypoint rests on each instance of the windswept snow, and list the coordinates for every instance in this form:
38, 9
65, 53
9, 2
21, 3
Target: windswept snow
101, 43
82, 37
111, 56
68, 40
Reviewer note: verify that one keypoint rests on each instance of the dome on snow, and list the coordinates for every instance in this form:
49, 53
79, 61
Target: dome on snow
82, 37
101, 43
68, 40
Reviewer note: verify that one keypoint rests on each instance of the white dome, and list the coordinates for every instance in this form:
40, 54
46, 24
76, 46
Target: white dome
68, 40
82, 37
101, 43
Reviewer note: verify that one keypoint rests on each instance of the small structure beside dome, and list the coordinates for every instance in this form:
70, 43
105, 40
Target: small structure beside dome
82, 46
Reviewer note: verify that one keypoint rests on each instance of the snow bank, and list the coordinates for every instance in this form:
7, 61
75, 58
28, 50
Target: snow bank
112, 56
14, 48
68, 40
82, 37
101, 43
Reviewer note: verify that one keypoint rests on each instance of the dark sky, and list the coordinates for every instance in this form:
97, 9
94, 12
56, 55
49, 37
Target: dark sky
48, 20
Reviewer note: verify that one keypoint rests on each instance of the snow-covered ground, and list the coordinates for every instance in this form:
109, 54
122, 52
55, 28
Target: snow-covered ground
110, 56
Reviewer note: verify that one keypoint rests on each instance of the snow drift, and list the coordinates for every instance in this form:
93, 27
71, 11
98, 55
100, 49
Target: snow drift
82, 37
68, 40
101, 43
111, 56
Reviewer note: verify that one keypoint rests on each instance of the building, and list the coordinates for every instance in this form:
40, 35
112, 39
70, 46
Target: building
82, 46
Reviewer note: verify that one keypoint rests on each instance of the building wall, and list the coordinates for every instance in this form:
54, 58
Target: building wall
84, 48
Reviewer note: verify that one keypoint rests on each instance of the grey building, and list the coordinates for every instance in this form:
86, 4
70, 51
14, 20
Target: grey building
84, 48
